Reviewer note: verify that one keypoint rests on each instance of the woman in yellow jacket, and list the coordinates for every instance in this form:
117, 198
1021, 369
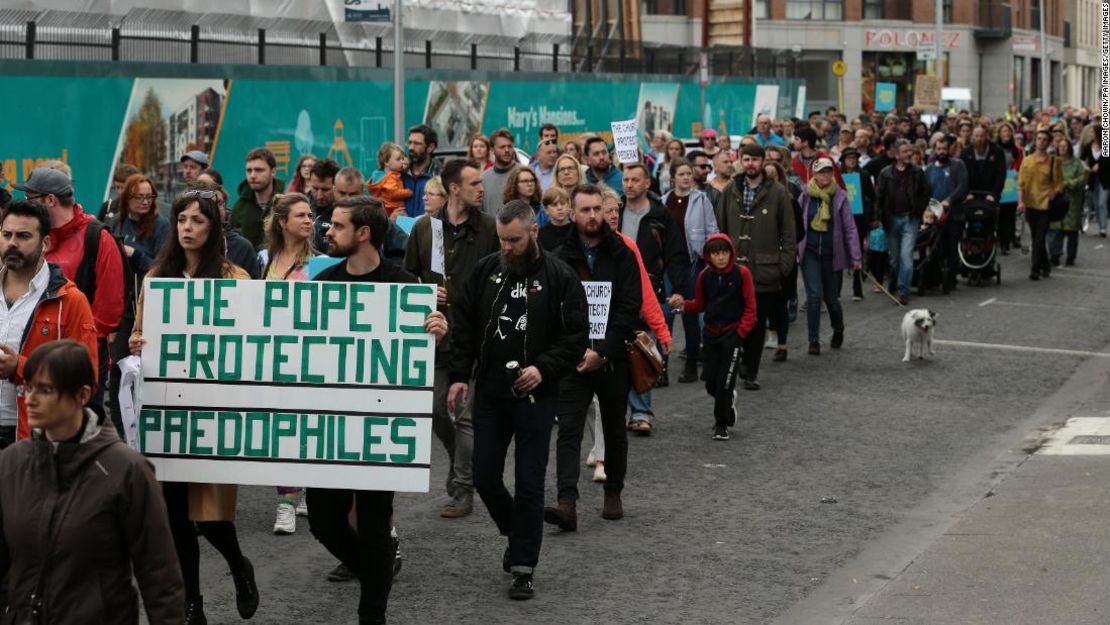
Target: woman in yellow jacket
197, 251
1040, 179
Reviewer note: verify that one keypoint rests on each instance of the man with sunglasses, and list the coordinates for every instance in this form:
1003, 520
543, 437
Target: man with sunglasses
92, 260
701, 165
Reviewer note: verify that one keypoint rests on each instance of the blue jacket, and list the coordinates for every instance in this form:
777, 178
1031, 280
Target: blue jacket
613, 179
145, 249
949, 182
699, 224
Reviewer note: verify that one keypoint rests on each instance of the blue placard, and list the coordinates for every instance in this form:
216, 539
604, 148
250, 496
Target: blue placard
885, 93
316, 264
405, 223
379, 14
1009, 192
852, 187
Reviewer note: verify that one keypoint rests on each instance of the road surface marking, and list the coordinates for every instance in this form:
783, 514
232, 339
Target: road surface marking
1023, 348
999, 302
988, 302
1080, 436
1072, 272
1099, 246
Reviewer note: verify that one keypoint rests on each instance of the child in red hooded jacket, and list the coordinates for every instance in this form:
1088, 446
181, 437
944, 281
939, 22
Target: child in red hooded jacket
725, 292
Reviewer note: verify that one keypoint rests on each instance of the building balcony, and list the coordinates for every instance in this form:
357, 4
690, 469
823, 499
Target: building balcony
993, 20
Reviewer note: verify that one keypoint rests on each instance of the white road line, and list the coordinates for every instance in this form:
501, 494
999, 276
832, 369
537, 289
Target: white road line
999, 302
1064, 442
1069, 271
1099, 246
1024, 348
988, 302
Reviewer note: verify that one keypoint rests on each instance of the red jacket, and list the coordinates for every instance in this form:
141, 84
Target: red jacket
798, 166
67, 248
61, 313
725, 295
650, 309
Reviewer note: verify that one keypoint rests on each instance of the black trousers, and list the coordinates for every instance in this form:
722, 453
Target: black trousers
368, 552
1038, 226
221, 534
610, 384
767, 306
950, 244
721, 358
1007, 223
497, 422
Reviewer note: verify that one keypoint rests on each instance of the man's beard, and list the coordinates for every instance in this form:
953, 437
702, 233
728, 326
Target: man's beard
340, 252
753, 174
519, 265
17, 261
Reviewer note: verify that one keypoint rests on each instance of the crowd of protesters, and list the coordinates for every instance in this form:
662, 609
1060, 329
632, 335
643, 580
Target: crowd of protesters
715, 232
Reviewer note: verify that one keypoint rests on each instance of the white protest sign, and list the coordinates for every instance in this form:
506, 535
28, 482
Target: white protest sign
626, 140
598, 296
437, 246
324, 384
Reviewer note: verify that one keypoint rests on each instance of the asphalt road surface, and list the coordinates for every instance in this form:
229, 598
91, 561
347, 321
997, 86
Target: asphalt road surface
829, 456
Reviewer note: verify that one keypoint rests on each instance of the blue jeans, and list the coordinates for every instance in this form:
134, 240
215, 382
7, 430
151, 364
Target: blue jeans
1097, 199
902, 237
640, 403
822, 285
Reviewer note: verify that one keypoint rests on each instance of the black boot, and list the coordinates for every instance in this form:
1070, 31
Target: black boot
194, 612
246, 590
689, 372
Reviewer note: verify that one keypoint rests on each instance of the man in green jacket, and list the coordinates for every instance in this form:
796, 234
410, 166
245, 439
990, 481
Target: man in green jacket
255, 195
758, 215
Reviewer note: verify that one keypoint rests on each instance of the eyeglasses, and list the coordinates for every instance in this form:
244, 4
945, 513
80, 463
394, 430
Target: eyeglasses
428, 194
703, 166
566, 170
43, 390
201, 194
34, 198
145, 198
526, 181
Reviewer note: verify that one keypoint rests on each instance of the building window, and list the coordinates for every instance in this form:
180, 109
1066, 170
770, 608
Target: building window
761, 10
814, 9
947, 11
1035, 16
873, 10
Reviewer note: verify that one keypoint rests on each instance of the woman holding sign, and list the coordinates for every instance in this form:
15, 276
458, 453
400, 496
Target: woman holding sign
197, 251
289, 233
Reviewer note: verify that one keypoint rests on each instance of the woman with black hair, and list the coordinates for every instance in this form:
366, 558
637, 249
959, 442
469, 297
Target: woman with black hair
197, 251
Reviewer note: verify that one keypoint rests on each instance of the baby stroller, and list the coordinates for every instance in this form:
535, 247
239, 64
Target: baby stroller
927, 256
979, 242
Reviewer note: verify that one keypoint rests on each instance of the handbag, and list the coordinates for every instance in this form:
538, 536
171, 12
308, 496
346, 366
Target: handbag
645, 363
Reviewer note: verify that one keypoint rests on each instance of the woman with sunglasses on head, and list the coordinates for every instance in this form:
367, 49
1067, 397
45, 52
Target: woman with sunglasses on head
197, 251
82, 512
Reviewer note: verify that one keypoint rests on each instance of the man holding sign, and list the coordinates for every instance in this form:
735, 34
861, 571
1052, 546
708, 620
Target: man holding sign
597, 254
519, 329
358, 227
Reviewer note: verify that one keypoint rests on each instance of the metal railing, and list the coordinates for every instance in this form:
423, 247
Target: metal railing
172, 44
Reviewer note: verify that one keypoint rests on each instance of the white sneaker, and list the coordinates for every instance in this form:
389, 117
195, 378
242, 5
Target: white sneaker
772, 340
599, 472
591, 461
286, 522
302, 507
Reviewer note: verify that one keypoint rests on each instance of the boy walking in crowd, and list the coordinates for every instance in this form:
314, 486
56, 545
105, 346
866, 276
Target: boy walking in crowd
725, 292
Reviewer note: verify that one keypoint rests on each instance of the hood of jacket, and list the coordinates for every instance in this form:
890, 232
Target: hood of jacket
64, 232
731, 252
72, 456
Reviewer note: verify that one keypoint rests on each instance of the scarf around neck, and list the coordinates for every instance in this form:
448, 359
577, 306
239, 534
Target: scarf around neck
820, 222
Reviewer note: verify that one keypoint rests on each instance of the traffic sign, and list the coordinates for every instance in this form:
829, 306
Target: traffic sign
839, 68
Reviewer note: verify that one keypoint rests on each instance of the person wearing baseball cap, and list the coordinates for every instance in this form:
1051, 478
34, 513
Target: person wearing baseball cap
193, 164
708, 138
829, 246
87, 254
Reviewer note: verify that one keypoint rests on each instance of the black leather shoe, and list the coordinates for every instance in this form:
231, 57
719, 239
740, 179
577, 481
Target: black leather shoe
246, 590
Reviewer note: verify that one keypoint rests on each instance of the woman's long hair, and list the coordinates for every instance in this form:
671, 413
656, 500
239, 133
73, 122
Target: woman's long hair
129, 191
275, 228
511, 193
298, 183
213, 260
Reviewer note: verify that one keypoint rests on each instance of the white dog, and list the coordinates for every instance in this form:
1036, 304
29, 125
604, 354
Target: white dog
917, 331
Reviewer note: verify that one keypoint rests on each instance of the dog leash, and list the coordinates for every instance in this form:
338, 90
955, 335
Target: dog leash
881, 287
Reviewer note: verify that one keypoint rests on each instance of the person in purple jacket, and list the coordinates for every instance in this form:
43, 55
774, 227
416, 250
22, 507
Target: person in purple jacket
830, 245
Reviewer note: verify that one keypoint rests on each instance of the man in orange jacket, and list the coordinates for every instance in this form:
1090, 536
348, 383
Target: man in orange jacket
39, 305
